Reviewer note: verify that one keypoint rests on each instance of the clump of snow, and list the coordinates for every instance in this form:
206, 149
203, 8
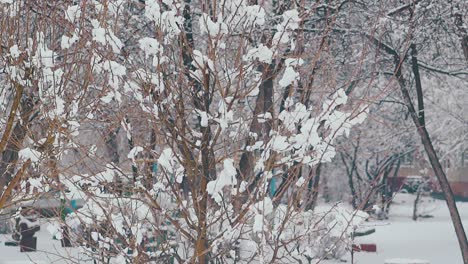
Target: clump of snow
264, 206
227, 177
262, 53
279, 143
212, 28
290, 22
289, 76
152, 10
242, 16
258, 223
73, 13
168, 21
170, 164
134, 152
14, 51
67, 42
225, 116
300, 182
150, 46
203, 118
106, 38
28, 153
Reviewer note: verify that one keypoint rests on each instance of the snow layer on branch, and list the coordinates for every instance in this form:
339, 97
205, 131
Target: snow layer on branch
212, 28
241, 15
310, 147
262, 209
338, 98
168, 162
152, 10
14, 51
106, 38
225, 116
108, 175
73, 13
227, 177
134, 152
154, 78
289, 76
168, 21
12, 7
204, 118
112, 67
67, 42
28, 153
150, 46
290, 22
262, 53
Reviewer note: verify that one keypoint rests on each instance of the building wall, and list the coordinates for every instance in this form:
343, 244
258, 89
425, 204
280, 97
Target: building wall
456, 175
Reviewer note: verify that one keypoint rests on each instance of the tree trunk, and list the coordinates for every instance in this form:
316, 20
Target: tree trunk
313, 189
432, 155
15, 143
416, 201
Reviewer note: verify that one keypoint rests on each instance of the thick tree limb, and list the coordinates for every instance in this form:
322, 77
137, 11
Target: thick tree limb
7, 193
11, 117
417, 79
435, 163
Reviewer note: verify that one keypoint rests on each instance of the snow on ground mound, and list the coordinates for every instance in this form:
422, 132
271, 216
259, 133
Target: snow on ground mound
401, 238
406, 261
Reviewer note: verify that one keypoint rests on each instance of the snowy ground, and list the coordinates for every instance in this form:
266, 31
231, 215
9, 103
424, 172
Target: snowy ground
48, 250
431, 239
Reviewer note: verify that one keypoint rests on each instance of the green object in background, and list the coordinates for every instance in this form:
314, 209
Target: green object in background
272, 187
65, 210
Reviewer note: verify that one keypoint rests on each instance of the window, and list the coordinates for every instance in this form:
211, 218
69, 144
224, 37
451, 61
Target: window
407, 159
464, 159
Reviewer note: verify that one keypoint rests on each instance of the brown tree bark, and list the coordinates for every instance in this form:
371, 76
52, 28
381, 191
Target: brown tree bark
14, 143
202, 98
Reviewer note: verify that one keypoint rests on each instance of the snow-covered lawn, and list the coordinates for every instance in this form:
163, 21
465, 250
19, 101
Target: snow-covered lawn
48, 250
431, 239
400, 237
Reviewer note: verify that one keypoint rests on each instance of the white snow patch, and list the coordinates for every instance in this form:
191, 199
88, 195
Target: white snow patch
28, 153
73, 13
227, 177
150, 46
212, 28
14, 51
289, 76
405, 261
132, 154
55, 230
262, 53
